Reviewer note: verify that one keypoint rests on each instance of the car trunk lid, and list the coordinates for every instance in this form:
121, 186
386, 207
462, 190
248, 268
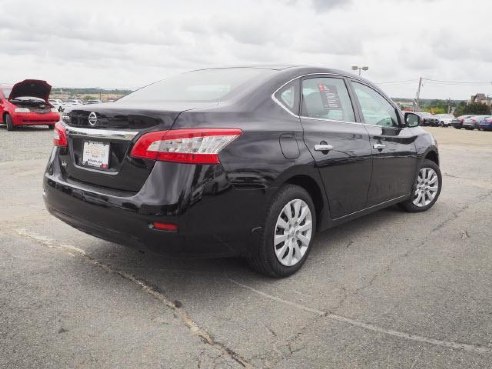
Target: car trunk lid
100, 138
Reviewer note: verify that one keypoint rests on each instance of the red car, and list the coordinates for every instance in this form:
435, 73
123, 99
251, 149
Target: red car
26, 103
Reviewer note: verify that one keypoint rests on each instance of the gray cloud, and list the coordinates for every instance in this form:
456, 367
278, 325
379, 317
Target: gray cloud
324, 5
128, 44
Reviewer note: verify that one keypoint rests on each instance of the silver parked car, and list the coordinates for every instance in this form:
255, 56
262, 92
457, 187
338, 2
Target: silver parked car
445, 119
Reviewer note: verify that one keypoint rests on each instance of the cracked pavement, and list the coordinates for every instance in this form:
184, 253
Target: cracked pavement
390, 289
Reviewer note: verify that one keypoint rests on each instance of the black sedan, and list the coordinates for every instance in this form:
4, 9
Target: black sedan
246, 161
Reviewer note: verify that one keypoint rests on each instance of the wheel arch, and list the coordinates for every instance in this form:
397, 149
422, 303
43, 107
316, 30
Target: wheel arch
315, 191
432, 155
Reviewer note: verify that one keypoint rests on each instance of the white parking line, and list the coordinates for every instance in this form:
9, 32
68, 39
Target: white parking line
370, 327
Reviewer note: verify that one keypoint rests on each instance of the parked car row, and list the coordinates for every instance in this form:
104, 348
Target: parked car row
437, 120
471, 122
61, 105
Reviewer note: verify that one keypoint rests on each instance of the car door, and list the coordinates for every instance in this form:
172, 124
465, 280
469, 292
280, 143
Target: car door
393, 146
339, 145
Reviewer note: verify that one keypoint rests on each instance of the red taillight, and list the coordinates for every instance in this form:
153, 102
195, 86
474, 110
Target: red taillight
60, 135
194, 146
169, 227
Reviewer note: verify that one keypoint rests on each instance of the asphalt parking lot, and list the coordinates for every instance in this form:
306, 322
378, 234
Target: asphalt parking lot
390, 290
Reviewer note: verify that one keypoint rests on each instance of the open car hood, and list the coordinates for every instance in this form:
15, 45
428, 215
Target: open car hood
31, 87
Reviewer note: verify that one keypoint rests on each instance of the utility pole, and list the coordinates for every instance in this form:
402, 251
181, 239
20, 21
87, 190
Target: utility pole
417, 97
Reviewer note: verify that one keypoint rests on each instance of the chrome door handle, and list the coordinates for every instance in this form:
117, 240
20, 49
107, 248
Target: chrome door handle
378, 146
323, 147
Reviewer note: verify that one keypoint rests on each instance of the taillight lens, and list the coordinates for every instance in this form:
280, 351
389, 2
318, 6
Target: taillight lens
60, 135
194, 146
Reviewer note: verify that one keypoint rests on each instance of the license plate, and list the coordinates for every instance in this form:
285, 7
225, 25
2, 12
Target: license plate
96, 154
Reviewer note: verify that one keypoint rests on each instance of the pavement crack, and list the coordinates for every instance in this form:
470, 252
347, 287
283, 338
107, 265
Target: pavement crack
480, 349
175, 306
454, 215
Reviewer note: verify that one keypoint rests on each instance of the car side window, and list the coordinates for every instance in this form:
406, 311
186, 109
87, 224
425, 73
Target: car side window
375, 108
287, 96
326, 98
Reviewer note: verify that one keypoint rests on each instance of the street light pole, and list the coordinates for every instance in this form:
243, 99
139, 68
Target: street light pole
360, 69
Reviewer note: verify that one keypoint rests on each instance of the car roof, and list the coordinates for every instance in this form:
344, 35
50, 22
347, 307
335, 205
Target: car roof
300, 69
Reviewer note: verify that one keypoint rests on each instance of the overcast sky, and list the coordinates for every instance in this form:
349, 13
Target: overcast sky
127, 44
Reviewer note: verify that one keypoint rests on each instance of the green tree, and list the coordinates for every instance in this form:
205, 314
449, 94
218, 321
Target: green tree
460, 109
476, 108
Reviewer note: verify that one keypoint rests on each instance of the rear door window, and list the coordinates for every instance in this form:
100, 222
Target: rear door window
326, 98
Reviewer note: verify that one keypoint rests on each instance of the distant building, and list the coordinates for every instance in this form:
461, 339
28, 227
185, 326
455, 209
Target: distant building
481, 98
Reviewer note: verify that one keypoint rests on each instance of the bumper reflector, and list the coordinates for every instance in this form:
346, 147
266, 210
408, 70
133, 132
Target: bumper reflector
168, 227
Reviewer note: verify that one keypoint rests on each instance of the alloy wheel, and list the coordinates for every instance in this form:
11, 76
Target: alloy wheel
293, 232
426, 188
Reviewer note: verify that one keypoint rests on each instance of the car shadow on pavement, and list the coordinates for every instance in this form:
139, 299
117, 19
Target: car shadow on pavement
157, 269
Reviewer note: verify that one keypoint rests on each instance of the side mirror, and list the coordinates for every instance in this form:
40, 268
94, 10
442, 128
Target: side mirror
412, 120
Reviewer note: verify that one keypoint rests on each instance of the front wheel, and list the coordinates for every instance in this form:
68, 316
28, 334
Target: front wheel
426, 189
287, 235
9, 123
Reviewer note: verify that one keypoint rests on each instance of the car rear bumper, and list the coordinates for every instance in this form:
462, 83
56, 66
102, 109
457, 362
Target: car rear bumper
26, 119
220, 223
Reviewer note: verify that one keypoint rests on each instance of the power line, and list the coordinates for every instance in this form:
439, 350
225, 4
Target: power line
397, 82
436, 81
457, 82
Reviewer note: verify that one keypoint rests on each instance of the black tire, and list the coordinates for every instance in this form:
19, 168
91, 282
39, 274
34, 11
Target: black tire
51, 126
408, 205
8, 122
263, 258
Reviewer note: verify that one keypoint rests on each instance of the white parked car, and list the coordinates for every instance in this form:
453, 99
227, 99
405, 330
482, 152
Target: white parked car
445, 119
74, 102
57, 104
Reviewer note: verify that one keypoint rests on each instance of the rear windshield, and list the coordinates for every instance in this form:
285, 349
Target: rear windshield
202, 85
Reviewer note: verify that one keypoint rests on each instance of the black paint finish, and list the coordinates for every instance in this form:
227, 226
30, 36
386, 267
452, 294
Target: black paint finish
220, 209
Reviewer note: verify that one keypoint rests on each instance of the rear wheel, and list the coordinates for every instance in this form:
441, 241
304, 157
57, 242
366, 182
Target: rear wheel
8, 122
426, 188
287, 235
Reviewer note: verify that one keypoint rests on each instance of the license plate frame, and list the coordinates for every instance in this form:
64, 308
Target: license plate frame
95, 154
